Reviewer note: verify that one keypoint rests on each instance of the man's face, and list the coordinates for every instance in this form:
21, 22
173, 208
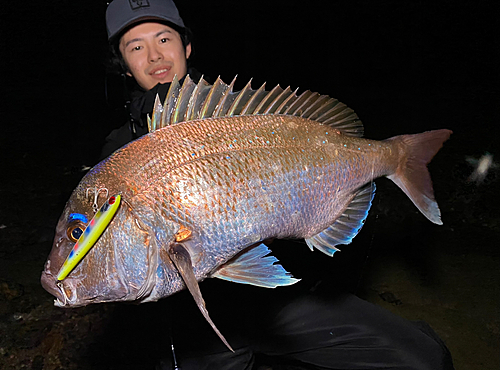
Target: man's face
154, 54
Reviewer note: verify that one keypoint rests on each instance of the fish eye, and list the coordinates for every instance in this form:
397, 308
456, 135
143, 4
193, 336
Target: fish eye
74, 231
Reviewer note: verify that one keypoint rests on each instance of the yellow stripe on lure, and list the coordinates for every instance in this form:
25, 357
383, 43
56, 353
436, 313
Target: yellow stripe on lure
88, 238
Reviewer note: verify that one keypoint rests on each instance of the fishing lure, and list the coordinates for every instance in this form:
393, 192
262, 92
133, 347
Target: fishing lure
88, 238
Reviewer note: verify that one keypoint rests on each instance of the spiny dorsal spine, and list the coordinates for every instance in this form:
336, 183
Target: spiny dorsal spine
193, 101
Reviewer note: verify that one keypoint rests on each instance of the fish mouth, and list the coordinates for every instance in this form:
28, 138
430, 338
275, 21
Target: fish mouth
67, 292
64, 291
54, 287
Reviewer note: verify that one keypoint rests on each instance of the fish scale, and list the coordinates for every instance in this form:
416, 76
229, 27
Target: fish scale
258, 157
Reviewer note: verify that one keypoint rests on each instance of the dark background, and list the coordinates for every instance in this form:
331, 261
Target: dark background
403, 66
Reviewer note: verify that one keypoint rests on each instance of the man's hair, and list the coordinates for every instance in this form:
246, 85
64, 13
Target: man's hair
116, 64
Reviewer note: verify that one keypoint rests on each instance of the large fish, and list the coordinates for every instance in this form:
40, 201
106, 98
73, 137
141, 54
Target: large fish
219, 173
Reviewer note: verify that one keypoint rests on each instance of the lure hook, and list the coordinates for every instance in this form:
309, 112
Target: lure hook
61, 289
96, 191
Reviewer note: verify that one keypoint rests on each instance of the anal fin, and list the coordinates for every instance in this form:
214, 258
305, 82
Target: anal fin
347, 226
253, 267
182, 260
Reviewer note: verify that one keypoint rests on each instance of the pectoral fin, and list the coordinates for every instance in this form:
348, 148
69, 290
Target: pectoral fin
253, 267
182, 260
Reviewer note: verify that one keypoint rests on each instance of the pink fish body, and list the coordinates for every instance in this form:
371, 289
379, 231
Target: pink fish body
221, 172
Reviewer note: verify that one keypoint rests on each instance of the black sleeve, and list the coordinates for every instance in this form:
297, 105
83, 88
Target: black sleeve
115, 140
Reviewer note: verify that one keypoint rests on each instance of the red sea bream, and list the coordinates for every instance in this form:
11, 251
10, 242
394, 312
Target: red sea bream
219, 173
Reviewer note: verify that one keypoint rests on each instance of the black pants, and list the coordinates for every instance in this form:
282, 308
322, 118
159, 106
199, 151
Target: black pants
307, 332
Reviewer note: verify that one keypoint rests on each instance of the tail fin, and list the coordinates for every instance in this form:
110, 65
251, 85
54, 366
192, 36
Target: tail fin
412, 175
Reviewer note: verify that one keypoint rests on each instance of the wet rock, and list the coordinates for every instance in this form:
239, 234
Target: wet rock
37, 363
10, 290
390, 298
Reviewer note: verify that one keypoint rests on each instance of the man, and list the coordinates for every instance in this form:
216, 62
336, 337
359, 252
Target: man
150, 42
151, 53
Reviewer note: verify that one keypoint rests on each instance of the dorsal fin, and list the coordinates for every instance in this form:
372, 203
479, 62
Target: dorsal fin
198, 101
